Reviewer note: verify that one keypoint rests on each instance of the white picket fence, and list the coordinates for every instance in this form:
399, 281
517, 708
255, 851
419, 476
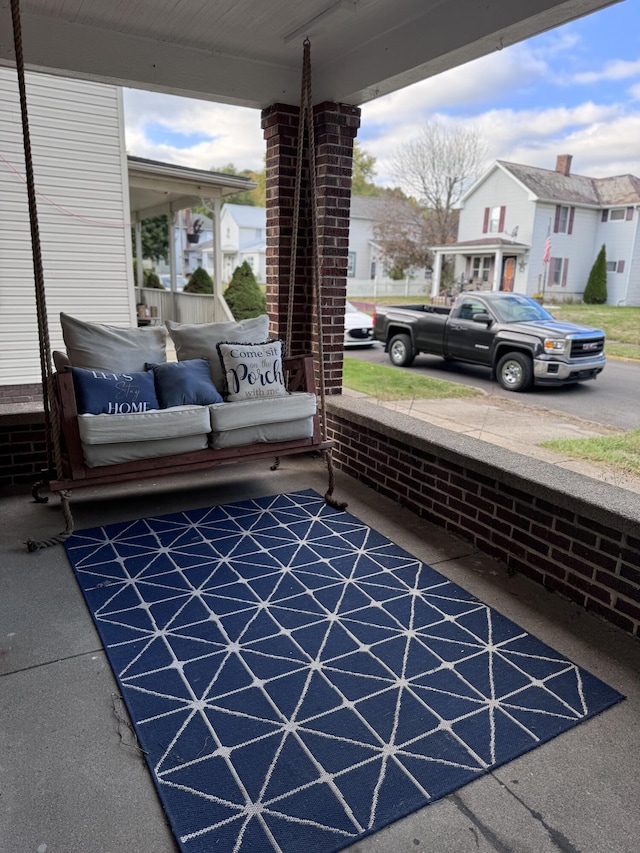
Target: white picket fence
371, 287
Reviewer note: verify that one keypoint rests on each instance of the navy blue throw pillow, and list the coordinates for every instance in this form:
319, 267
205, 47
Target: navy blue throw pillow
101, 393
185, 383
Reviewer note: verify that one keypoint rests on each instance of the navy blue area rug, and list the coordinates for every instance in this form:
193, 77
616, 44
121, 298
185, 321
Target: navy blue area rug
298, 681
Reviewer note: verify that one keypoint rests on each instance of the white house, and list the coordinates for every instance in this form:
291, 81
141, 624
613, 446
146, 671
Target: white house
528, 229
80, 166
243, 238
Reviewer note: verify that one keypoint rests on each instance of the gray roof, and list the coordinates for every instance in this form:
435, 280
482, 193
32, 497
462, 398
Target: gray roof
550, 185
247, 215
366, 207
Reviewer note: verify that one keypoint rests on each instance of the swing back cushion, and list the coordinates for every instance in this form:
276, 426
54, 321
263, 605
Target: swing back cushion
96, 346
200, 340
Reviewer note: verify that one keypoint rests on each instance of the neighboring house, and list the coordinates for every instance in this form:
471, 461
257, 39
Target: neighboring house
515, 217
366, 260
243, 230
244, 239
194, 241
80, 166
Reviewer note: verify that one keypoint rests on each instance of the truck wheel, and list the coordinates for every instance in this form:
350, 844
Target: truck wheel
514, 371
401, 351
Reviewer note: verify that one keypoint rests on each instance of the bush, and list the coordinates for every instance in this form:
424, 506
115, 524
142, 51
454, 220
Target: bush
149, 278
595, 293
199, 282
243, 295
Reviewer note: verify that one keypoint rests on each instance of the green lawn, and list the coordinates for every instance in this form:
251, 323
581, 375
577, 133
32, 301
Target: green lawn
621, 452
390, 383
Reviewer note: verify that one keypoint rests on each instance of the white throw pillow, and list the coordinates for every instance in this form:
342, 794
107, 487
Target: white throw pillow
95, 346
198, 340
252, 370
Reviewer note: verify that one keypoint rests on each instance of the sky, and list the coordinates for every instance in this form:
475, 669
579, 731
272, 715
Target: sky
573, 90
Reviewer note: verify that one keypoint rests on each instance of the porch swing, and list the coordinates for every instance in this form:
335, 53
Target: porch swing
67, 467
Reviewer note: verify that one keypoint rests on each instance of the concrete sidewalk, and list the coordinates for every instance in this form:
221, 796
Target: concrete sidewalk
516, 427
72, 781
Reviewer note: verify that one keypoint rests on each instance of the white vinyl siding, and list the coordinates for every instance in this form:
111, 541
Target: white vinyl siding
76, 130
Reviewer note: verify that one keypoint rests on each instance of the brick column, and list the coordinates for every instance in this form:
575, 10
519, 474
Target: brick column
335, 128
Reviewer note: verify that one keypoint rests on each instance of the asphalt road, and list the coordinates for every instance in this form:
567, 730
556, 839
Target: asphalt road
612, 399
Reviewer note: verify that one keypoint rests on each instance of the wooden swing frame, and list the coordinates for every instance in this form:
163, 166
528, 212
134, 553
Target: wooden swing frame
66, 467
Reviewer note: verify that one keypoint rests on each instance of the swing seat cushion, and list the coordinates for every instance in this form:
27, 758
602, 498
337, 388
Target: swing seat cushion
264, 419
111, 439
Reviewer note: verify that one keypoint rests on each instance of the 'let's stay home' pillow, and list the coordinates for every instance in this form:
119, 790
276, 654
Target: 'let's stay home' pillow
252, 370
101, 393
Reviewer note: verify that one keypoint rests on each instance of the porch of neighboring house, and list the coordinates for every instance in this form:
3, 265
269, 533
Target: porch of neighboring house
491, 263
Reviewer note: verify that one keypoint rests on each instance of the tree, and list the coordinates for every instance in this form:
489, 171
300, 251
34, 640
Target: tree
363, 173
244, 296
403, 232
595, 293
437, 168
199, 282
155, 238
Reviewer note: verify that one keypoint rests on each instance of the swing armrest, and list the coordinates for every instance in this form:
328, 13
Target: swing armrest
299, 372
69, 432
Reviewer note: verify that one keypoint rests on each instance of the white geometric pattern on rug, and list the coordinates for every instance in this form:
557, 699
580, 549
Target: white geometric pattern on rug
299, 681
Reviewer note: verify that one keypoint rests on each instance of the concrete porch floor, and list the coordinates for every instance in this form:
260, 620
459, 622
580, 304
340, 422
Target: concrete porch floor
69, 783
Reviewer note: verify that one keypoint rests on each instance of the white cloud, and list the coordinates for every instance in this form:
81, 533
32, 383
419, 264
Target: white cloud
616, 69
235, 135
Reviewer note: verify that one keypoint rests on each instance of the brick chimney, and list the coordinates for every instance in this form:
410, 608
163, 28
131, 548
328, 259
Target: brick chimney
563, 163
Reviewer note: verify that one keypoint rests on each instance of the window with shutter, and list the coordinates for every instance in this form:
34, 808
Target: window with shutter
629, 214
485, 224
620, 266
605, 215
572, 212
496, 216
565, 270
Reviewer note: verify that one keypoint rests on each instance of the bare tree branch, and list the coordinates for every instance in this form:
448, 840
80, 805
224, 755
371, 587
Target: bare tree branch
437, 168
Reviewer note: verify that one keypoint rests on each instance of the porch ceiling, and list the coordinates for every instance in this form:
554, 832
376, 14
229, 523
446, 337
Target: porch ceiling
153, 186
249, 53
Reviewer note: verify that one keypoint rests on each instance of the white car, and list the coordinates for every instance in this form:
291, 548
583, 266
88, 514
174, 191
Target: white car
165, 281
358, 327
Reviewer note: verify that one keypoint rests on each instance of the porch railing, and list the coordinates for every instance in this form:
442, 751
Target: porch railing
155, 306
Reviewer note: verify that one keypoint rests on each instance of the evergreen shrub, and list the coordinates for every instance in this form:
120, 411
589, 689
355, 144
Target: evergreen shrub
199, 282
243, 295
595, 293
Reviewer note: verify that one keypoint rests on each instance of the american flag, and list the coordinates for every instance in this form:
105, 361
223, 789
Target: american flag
546, 255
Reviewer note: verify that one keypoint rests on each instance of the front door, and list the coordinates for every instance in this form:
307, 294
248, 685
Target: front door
508, 274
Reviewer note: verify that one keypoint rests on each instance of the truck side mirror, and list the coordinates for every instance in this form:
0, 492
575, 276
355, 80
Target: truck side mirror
482, 317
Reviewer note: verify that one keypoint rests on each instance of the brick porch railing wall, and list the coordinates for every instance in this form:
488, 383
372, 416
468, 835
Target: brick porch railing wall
577, 536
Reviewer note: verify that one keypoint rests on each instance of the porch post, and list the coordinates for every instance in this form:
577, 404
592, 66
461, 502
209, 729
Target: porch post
139, 282
497, 272
335, 128
217, 248
437, 273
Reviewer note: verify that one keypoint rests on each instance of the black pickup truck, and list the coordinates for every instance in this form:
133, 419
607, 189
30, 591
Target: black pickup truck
510, 333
